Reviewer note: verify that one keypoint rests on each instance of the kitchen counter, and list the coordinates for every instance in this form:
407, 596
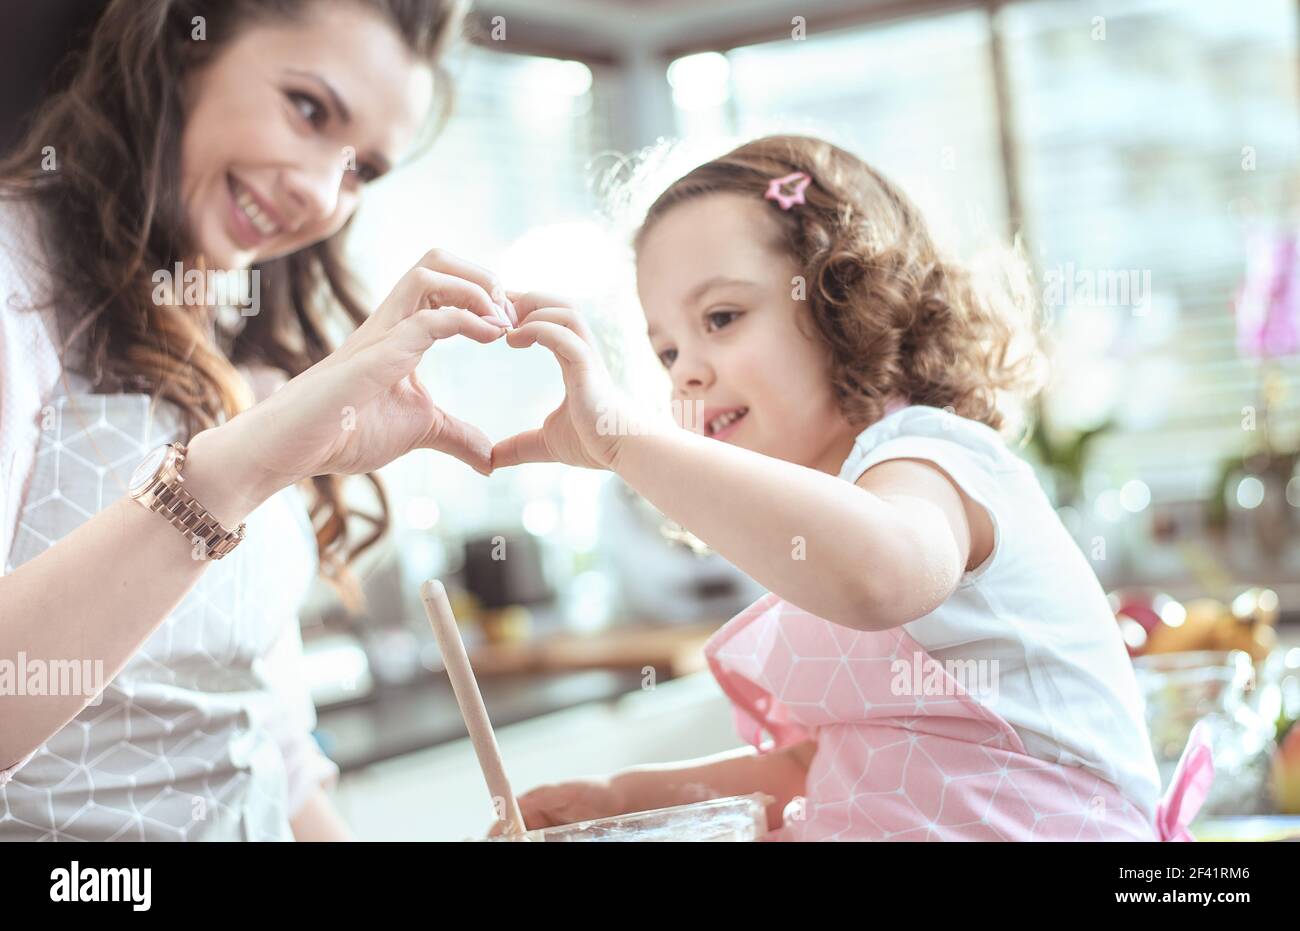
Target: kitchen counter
398, 721
439, 794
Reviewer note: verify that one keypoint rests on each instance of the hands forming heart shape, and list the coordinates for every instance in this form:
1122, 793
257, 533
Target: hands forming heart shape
575, 432
363, 406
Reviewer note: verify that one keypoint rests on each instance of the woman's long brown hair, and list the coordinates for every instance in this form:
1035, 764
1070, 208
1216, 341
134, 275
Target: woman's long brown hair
112, 216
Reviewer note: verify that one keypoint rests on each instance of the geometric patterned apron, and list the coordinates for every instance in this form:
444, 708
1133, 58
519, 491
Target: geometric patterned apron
891, 766
182, 744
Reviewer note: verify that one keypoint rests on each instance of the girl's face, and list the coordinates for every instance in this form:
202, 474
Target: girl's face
721, 310
288, 123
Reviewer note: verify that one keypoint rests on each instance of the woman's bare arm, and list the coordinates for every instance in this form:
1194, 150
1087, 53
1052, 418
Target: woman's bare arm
98, 594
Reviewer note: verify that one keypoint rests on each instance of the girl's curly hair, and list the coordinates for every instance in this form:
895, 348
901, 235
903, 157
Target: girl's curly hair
895, 316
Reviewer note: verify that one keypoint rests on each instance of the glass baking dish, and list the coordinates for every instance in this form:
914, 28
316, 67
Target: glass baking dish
738, 818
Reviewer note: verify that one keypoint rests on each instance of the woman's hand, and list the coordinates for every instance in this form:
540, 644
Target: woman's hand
588, 426
363, 406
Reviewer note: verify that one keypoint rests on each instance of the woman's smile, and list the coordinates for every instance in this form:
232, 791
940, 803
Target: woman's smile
252, 220
285, 126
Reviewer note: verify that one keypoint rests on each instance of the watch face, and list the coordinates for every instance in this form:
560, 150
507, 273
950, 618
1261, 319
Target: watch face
146, 470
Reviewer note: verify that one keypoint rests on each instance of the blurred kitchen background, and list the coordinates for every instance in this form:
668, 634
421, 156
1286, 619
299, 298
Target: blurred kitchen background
1147, 154
1145, 151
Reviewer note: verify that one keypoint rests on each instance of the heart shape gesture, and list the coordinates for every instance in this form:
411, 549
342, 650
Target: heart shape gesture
363, 405
588, 427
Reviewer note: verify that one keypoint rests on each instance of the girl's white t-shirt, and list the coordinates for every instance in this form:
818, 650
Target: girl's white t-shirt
1033, 615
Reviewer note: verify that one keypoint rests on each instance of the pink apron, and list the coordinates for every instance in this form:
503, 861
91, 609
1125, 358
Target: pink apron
914, 767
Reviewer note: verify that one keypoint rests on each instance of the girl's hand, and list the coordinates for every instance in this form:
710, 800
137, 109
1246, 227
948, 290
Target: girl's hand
363, 406
566, 803
588, 426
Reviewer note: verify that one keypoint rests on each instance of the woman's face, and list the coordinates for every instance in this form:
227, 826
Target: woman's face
722, 316
286, 126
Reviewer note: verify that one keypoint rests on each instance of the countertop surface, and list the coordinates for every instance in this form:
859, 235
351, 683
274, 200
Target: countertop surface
403, 720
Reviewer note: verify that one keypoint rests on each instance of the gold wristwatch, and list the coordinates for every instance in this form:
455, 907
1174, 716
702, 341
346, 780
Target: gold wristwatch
157, 484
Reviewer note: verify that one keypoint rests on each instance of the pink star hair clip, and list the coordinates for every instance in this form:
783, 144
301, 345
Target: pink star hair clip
775, 190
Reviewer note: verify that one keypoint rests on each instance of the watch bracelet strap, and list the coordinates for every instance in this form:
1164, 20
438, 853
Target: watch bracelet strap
183, 511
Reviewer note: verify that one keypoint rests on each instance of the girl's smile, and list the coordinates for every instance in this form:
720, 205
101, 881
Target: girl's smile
722, 422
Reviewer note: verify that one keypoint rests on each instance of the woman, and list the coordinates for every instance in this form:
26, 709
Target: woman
231, 136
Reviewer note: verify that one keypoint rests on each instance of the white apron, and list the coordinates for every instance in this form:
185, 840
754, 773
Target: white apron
183, 745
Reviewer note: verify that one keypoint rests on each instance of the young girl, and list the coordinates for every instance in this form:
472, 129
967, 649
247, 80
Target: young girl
935, 659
